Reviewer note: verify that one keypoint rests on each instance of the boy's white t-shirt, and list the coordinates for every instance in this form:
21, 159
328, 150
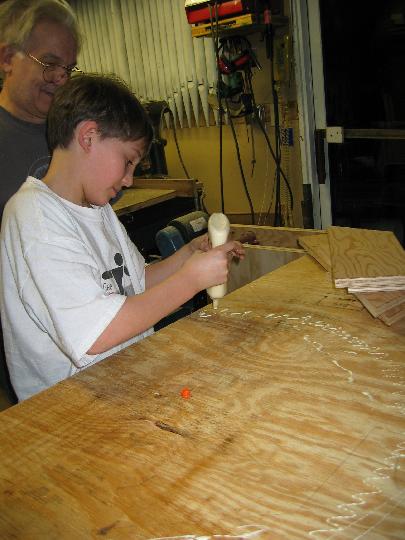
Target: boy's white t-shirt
65, 273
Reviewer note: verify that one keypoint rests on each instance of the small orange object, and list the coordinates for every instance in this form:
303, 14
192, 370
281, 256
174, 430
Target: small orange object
185, 393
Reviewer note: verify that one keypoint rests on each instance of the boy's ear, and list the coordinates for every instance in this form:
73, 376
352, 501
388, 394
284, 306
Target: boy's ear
86, 131
6, 55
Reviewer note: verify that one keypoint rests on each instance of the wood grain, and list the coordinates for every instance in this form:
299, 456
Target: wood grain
394, 314
258, 261
380, 302
273, 236
134, 199
317, 245
184, 187
294, 428
365, 260
377, 303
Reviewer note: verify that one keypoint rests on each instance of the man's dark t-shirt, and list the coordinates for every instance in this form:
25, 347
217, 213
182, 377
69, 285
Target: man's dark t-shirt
23, 152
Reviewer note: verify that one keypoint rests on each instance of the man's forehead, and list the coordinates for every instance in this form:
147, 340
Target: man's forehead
53, 41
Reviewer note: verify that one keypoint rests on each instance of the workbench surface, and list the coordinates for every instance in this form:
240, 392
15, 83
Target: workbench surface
134, 199
295, 427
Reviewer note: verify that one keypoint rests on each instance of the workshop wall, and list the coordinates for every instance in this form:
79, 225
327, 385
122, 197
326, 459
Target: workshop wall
200, 153
200, 147
120, 37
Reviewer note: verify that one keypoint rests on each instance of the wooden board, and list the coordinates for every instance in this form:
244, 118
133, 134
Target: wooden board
366, 261
380, 302
258, 261
376, 303
394, 314
317, 245
134, 199
273, 236
294, 428
184, 187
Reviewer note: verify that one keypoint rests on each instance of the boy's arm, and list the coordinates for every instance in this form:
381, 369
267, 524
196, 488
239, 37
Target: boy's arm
140, 312
157, 272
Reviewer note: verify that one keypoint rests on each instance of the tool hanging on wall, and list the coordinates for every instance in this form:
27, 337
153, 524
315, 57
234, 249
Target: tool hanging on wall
236, 59
235, 62
235, 98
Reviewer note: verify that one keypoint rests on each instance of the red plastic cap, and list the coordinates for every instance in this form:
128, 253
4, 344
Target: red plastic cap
185, 393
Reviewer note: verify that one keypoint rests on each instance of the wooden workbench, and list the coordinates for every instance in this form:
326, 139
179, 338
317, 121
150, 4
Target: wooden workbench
151, 191
294, 428
134, 199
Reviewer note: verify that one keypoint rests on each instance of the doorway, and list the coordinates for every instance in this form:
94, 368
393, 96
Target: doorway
363, 48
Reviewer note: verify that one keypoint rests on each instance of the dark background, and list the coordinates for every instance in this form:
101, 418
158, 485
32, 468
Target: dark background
364, 68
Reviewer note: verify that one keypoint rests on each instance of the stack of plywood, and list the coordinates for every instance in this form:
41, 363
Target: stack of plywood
370, 264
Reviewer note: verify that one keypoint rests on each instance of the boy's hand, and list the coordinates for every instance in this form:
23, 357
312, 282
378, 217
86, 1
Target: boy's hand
207, 268
202, 243
238, 250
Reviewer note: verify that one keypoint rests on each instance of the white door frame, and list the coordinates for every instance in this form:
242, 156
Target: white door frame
307, 40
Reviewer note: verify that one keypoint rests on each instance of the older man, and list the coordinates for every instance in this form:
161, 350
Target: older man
39, 41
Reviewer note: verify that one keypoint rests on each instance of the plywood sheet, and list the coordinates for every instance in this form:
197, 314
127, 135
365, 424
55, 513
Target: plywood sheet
394, 314
273, 236
317, 245
365, 260
377, 303
134, 199
184, 187
258, 261
294, 428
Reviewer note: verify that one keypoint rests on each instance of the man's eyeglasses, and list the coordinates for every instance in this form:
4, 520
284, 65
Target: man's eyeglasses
54, 73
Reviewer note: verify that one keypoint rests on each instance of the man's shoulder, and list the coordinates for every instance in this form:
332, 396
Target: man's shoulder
7, 121
11, 124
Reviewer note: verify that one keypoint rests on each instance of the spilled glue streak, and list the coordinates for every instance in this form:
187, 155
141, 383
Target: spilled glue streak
350, 377
239, 535
347, 510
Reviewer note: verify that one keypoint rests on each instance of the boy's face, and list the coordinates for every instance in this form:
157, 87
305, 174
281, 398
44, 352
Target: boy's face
112, 165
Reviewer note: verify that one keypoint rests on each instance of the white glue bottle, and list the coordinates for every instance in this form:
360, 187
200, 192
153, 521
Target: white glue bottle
218, 233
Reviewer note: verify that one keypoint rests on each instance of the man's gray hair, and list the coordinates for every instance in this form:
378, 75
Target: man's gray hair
18, 19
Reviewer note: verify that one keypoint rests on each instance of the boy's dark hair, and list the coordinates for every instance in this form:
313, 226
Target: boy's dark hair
106, 100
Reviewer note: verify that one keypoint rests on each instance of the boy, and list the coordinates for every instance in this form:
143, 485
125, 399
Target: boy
74, 289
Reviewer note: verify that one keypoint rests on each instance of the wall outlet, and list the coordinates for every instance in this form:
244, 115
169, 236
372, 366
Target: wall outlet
334, 135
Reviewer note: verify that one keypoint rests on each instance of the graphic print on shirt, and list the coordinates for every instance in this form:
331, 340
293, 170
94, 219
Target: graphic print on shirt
120, 275
39, 167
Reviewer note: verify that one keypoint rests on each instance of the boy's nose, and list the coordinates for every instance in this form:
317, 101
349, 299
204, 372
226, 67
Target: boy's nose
128, 179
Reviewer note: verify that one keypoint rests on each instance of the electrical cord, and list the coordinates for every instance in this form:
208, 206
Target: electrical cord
277, 204
168, 110
253, 160
275, 153
252, 213
263, 129
215, 39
